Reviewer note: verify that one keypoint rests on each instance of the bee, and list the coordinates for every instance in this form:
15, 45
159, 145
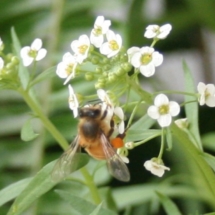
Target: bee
95, 129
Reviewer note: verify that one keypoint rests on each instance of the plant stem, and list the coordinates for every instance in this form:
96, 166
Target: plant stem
47, 123
91, 185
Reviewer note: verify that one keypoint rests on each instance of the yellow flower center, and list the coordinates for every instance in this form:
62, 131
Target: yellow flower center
33, 53
69, 69
207, 94
146, 58
82, 49
113, 45
163, 109
97, 31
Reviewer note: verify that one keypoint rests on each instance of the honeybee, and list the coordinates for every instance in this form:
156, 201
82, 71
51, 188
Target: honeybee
95, 129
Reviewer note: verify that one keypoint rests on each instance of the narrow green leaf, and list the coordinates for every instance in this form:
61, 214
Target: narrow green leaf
81, 205
169, 138
191, 109
212, 213
27, 132
141, 134
12, 191
210, 159
209, 140
39, 185
144, 122
168, 205
97, 209
23, 72
47, 74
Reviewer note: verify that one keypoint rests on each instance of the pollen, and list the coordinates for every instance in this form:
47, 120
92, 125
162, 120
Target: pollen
164, 109
82, 49
146, 58
97, 31
117, 143
113, 45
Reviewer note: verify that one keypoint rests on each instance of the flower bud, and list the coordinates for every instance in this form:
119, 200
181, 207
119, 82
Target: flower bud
89, 76
129, 145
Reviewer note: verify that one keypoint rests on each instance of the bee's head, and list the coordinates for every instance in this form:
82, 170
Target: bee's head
90, 112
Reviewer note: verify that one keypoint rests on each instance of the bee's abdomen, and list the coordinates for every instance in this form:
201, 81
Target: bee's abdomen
90, 129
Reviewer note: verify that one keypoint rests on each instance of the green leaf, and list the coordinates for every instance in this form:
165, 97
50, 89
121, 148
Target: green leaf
47, 74
97, 209
169, 138
39, 185
191, 109
212, 213
81, 205
168, 205
209, 140
13, 190
27, 132
138, 134
144, 122
23, 72
210, 159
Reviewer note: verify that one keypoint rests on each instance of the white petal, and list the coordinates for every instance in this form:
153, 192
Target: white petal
24, 52
105, 49
202, 99
157, 58
27, 61
210, 101
105, 26
210, 89
201, 87
124, 159
41, 54
61, 70
96, 40
174, 108
165, 30
165, 120
37, 44
148, 165
121, 127
157, 171
153, 112
99, 21
110, 35
119, 112
161, 99
136, 59
147, 70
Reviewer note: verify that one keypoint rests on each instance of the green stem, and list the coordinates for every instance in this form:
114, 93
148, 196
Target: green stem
91, 185
146, 96
176, 92
162, 144
47, 123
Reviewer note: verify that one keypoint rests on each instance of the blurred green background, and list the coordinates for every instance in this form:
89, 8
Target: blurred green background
58, 23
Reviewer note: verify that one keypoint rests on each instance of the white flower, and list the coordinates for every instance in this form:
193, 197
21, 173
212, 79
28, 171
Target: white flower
73, 101
113, 44
182, 123
156, 167
155, 31
81, 47
66, 68
163, 110
146, 59
206, 94
119, 119
106, 105
101, 26
35, 52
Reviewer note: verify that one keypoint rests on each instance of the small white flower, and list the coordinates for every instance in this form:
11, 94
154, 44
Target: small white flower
163, 110
101, 26
129, 145
107, 104
146, 59
119, 119
206, 94
156, 167
81, 48
155, 31
35, 52
66, 68
113, 44
73, 101
182, 123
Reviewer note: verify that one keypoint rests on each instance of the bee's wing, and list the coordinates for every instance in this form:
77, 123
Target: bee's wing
115, 164
65, 164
